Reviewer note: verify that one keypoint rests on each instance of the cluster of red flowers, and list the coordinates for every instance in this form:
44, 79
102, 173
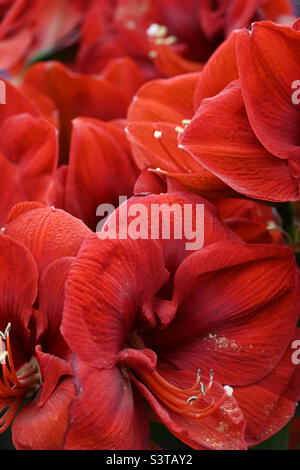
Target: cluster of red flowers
167, 103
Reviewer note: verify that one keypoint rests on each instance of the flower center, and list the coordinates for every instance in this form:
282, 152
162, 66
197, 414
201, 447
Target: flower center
183, 401
15, 386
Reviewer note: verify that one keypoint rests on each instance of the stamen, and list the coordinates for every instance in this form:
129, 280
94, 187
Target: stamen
157, 134
15, 385
7, 330
182, 401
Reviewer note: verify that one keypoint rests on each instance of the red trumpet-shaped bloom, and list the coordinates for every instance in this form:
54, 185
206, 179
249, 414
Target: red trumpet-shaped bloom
28, 150
36, 252
146, 326
169, 37
246, 132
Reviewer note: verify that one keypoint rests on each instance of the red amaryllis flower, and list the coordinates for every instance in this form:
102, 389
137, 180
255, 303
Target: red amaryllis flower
252, 221
172, 34
100, 163
235, 14
100, 168
35, 380
146, 324
28, 151
104, 97
247, 134
157, 116
30, 27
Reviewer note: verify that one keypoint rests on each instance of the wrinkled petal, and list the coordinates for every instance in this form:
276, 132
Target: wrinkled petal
100, 169
257, 293
270, 404
28, 160
233, 153
107, 414
267, 87
49, 233
18, 290
50, 307
47, 423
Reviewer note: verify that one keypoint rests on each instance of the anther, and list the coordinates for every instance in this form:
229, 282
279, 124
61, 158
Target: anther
192, 398
7, 330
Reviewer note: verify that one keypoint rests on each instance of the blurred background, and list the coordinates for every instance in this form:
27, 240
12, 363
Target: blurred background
297, 5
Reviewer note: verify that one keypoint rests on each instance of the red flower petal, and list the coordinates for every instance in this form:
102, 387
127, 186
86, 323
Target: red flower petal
105, 97
17, 103
232, 151
18, 290
258, 298
53, 369
267, 87
50, 307
13, 49
49, 233
107, 414
211, 81
47, 423
28, 160
269, 405
169, 100
115, 287
100, 168
223, 430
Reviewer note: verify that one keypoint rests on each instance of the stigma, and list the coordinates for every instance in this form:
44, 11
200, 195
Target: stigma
15, 386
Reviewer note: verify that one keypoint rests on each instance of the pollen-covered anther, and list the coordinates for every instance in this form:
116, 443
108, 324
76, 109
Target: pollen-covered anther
153, 54
228, 390
157, 134
157, 30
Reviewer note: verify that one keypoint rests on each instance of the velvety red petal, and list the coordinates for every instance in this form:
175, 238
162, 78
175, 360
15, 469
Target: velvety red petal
16, 103
107, 414
274, 10
258, 298
267, 87
96, 294
109, 272
14, 48
164, 156
269, 405
49, 233
169, 100
52, 369
18, 290
232, 151
50, 307
219, 71
100, 169
30, 152
47, 423
105, 97
169, 63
